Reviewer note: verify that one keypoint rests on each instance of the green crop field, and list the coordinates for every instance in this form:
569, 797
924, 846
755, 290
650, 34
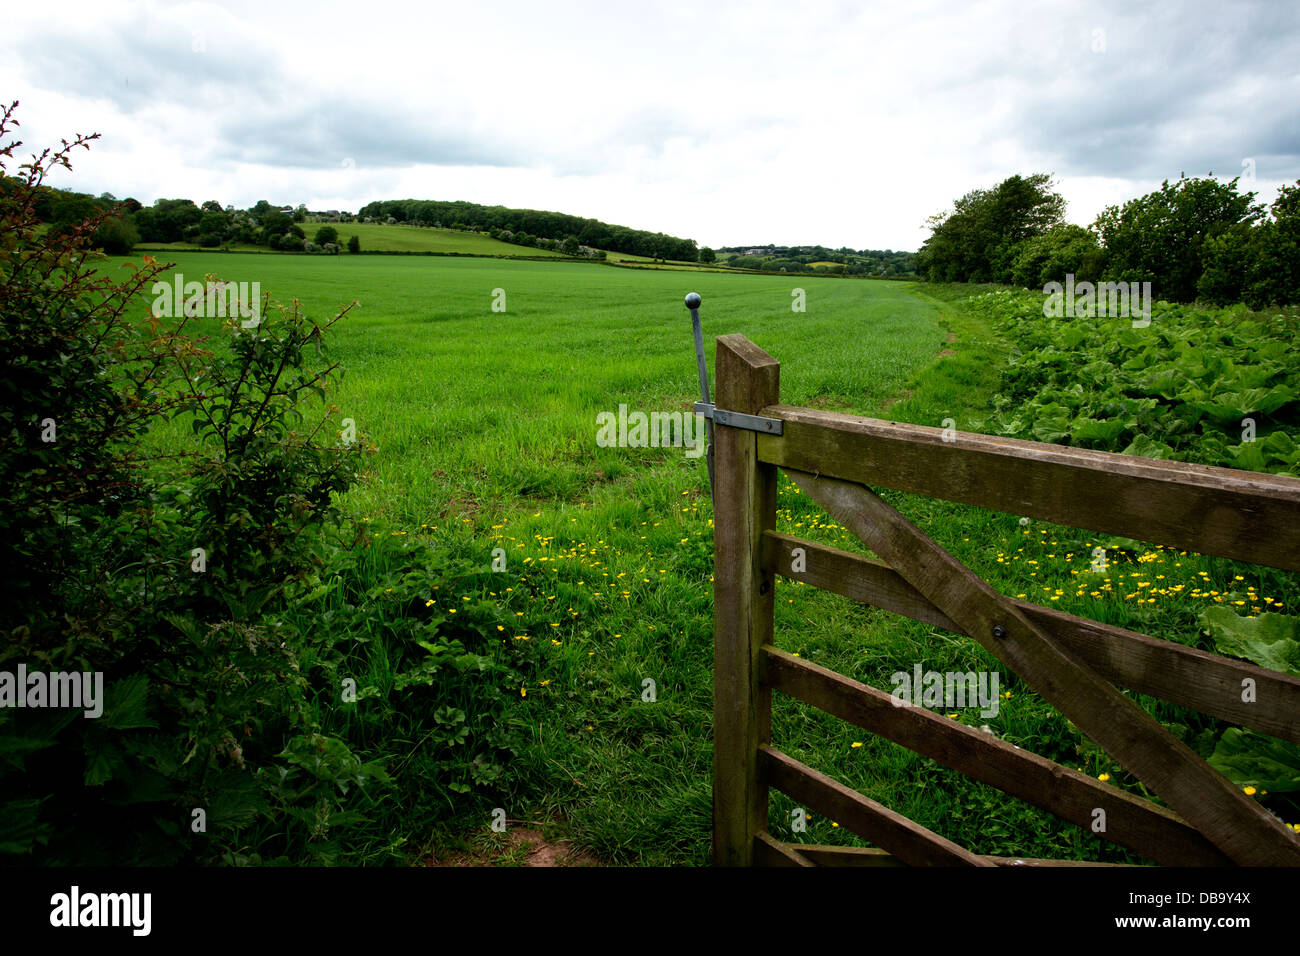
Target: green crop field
377, 237
399, 237
483, 407
485, 428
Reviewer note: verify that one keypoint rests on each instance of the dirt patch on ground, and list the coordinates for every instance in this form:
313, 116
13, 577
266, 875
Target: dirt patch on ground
824, 401
891, 402
519, 846
944, 353
461, 507
952, 337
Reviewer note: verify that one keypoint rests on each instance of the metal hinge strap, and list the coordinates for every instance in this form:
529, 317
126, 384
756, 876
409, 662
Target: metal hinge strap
753, 423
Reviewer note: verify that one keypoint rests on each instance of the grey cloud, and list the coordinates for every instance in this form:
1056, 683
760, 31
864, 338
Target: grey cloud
248, 109
1160, 99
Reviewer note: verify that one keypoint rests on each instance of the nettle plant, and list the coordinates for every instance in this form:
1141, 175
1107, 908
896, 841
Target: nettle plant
211, 686
78, 382
265, 474
262, 692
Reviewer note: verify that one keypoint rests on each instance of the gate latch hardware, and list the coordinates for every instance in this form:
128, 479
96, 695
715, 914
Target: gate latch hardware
753, 423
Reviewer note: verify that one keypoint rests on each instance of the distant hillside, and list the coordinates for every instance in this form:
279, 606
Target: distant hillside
416, 239
873, 262
416, 225
526, 226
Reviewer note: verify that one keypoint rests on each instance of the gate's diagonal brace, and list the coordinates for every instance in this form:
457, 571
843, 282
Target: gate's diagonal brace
1243, 830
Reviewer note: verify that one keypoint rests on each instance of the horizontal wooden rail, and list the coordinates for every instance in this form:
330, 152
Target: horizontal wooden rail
1144, 827
1229, 819
1181, 675
1071, 662
821, 855
1235, 514
769, 851
908, 841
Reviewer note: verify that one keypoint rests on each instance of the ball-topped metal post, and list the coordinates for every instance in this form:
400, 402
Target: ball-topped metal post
693, 303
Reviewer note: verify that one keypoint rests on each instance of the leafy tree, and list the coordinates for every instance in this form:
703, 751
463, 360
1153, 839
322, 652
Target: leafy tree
326, 234
274, 225
570, 246
1258, 265
175, 216
1275, 274
116, 235
354, 244
1160, 237
1062, 250
68, 210
1228, 259
978, 240
213, 228
707, 255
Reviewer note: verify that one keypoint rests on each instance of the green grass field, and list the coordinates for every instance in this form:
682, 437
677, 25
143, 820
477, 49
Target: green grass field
451, 390
399, 237
377, 237
485, 425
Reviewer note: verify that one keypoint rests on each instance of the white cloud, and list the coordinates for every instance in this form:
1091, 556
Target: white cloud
830, 122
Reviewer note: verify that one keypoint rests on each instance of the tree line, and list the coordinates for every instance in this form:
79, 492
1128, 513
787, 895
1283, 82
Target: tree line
528, 226
286, 228
290, 229
123, 224
842, 261
1197, 238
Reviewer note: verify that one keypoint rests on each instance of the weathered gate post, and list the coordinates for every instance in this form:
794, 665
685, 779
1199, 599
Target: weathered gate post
744, 506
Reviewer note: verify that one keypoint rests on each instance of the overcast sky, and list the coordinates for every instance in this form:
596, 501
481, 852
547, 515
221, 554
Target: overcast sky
753, 122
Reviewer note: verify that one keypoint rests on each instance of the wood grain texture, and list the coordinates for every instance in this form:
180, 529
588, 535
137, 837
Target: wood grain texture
1229, 819
842, 856
1235, 514
1182, 675
909, 841
1144, 827
771, 852
744, 507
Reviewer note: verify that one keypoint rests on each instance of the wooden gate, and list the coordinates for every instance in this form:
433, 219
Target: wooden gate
1072, 662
